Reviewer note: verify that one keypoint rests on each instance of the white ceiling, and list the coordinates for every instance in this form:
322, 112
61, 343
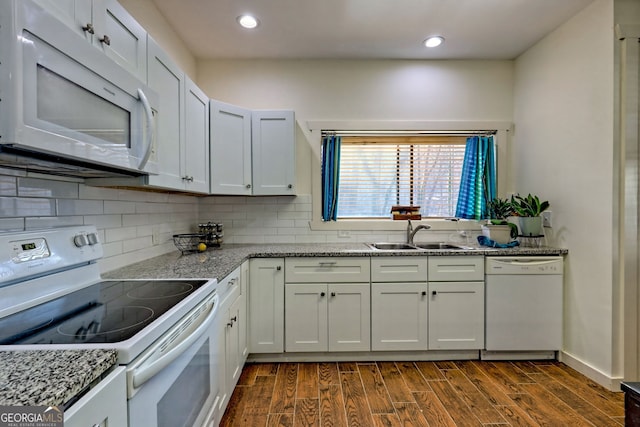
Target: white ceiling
485, 29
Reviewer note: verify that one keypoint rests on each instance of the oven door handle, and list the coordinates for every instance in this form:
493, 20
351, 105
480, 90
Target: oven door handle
167, 350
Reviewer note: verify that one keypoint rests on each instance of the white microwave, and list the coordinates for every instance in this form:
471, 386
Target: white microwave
65, 107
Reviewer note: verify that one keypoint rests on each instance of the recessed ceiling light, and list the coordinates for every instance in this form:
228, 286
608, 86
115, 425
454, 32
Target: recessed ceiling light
248, 21
434, 41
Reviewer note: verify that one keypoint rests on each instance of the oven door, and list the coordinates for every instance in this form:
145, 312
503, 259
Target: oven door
174, 383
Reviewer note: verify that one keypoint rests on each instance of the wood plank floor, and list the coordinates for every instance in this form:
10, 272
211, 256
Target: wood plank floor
467, 393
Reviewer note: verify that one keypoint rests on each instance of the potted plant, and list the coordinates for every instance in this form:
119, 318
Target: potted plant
497, 228
529, 209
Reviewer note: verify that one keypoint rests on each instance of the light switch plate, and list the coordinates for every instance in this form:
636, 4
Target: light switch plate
546, 219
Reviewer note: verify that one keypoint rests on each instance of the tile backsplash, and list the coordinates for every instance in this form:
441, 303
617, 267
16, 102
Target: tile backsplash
137, 225
133, 225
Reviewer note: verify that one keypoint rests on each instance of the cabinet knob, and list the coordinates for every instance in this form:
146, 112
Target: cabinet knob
278, 268
290, 186
333, 294
106, 40
424, 293
248, 186
89, 28
434, 292
321, 294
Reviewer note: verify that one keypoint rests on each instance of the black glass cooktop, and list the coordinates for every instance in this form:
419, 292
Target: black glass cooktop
107, 312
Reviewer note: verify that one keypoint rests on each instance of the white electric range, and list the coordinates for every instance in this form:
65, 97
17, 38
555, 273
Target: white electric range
52, 297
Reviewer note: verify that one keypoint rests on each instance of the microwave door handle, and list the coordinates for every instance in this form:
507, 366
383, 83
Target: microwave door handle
145, 372
149, 114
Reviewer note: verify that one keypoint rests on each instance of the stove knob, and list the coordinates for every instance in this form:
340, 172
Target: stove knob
93, 238
80, 240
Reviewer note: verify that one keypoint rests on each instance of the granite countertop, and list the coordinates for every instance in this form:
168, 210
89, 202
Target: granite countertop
218, 263
50, 377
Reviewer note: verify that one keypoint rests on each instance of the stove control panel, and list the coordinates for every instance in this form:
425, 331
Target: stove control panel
29, 250
36, 252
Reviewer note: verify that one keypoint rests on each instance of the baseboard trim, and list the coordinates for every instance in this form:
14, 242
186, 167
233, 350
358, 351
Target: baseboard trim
612, 383
372, 356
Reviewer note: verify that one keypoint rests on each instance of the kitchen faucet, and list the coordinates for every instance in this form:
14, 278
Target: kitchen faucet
411, 232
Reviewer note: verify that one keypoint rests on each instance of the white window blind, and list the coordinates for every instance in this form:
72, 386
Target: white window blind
377, 172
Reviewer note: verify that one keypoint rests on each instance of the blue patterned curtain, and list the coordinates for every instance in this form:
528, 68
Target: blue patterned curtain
330, 176
478, 182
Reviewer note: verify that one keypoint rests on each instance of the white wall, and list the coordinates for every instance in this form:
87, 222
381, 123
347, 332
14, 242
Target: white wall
563, 150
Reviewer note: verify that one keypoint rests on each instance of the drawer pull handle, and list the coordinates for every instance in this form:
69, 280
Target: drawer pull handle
234, 319
327, 263
89, 28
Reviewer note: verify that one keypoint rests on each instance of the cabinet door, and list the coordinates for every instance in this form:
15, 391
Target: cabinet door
168, 80
233, 359
230, 149
120, 36
223, 393
349, 317
456, 315
75, 14
306, 317
399, 316
103, 405
244, 327
273, 152
196, 140
266, 305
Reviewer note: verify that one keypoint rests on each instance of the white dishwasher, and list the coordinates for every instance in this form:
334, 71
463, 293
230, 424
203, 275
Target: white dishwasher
523, 307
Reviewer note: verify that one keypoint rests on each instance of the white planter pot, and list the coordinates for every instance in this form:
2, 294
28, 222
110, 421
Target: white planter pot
497, 233
530, 226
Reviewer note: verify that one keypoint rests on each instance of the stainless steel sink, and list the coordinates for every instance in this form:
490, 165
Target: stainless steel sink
392, 246
437, 245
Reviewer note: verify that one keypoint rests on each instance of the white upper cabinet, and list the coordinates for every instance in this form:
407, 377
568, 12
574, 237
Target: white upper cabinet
196, 139
273, 152
181, 147
230, 149
252, 152
166, 78
108, 26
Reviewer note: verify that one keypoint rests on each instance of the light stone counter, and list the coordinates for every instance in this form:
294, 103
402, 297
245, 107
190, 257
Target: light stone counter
218, 263
50, 377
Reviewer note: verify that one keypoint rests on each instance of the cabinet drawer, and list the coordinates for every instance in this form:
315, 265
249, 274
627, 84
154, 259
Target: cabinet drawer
327, 269
456, 268
230, 286
399, 269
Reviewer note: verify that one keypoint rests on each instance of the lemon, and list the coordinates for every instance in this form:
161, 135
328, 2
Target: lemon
202, 247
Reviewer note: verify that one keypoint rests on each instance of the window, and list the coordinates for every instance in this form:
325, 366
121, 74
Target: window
377, 172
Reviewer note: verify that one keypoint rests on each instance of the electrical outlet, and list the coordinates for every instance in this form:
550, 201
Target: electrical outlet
546, 219
345, 234
155, 236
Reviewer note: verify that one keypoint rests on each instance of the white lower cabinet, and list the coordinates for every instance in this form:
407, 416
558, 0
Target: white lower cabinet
231, 326
456, 315
327, 317
266, 305
399, 303
399, 316
104, 405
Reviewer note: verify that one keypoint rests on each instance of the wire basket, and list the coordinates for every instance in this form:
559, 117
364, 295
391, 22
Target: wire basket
187, 243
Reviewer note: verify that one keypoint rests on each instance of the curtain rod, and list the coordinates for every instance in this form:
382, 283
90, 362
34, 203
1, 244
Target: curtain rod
408, 132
